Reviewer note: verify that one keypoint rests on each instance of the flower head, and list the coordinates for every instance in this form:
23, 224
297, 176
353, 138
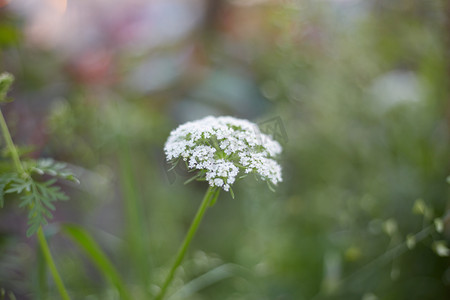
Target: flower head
222, 147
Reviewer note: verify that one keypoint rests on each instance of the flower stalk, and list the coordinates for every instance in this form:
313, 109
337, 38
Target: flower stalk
211, 194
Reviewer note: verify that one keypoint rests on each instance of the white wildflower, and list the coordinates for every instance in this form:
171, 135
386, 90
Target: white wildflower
222, 147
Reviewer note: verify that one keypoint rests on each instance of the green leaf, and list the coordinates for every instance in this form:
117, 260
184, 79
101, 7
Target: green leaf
193, 178
231, 192
18, 185
271, 187
53, 168
32, 230
174, 164
39, 197
27, 200
82, 238
209, 278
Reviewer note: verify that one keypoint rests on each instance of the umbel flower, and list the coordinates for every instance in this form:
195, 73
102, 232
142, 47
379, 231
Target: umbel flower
222, 148
219, 149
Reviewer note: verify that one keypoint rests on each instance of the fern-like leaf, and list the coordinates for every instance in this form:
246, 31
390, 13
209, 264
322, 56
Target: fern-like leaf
18, 185
40, 200
53, 168
37, 196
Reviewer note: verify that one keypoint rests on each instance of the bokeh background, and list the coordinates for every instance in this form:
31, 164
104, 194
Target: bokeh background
356, 91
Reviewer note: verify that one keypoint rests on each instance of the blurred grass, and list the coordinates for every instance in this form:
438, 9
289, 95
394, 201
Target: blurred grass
82, 238
134, 212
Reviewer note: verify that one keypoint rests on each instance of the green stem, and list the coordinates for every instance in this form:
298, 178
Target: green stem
41, 276
187, 240
51, 264
42, 241
11, 147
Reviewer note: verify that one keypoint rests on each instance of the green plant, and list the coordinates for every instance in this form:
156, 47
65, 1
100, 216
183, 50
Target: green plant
37, 196
218, 149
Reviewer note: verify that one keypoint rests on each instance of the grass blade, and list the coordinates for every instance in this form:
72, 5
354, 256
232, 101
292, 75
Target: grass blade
211, 277
84, 240
134, 210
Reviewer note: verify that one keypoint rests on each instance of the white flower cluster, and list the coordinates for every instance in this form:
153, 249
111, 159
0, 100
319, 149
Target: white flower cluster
221, 147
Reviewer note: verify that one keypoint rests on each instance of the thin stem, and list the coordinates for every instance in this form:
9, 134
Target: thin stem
42, 241
11, 147
51, 264
187, 240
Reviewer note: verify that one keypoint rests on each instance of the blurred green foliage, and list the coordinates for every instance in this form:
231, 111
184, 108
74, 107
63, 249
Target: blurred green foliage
362, 90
